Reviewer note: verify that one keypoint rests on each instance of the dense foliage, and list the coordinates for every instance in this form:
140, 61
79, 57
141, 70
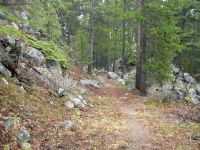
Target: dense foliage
102, 32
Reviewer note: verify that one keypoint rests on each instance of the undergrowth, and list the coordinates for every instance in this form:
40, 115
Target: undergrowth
49, 48
9, 13
160, 104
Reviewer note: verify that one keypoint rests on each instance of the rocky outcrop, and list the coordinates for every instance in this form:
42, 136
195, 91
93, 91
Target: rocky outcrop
29, 67
182, 87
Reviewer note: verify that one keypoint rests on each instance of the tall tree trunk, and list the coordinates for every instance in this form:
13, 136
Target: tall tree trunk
90, 66
124, 43
138, 38
141, 47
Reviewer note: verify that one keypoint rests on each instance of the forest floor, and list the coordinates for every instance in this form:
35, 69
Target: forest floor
119, 120
125, 120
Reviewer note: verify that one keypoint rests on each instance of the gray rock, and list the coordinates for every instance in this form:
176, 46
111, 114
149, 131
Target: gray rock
84, 102
67, 125
76, 101
180, 95
37, 34
91, 105
112, 75
3, 16
4, 71
188, 78
10, 122
102, 83
5, 82
121, 81
22, 89
179, 85
24, 15
14, 25
3, 22
180, 78
69, 105
82, 91
35, 55
8, 49
195, 99
198, 88
25, 28
176, 70
62, 92
90, 82
80, 97
10, 40
23, 135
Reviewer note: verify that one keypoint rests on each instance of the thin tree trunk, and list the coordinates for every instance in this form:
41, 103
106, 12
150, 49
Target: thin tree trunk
115, 52
90, 66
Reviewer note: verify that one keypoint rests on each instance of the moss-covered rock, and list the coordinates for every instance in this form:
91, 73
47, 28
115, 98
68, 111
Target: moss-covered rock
50, 50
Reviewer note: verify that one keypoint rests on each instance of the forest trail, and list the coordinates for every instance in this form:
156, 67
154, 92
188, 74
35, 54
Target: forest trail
148, 125
137, 134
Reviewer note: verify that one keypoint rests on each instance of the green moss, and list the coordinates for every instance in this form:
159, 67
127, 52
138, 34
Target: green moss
11, 17
49, 48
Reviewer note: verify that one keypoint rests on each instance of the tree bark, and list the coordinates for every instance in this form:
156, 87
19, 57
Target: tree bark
124, 43
141, 54
90, 66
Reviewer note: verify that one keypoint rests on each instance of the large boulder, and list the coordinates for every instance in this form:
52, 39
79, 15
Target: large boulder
86, 82
4, 71
34, 55
112, 75
188, 78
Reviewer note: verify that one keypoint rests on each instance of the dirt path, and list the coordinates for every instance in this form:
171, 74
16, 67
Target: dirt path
151, 126
138, 133
120, 120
